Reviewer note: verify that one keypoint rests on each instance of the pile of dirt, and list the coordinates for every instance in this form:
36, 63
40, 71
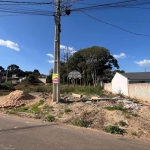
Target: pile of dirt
16, 99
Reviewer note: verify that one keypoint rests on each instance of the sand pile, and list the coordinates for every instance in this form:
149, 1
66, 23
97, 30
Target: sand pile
16, 99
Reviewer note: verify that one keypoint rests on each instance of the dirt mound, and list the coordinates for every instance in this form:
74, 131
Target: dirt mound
16, 99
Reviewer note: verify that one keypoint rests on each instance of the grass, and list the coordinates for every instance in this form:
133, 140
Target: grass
32, 109
114, 130
116, 107
22, 109
67, 111
87, 90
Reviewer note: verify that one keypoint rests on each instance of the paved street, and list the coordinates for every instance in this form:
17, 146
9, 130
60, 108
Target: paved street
27, 134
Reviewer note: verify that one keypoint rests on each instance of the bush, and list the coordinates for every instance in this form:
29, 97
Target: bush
50, 118
29, 79
114, 130
7, 86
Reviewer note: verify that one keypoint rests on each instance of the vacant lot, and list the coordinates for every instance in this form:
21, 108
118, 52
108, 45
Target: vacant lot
104, 111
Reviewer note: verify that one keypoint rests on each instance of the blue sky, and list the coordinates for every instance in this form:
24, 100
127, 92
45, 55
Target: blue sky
28, 40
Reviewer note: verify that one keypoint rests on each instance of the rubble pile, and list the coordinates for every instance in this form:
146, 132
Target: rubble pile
16, 99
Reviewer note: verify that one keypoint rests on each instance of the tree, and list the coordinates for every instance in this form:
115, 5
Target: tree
13, 69
26, 73
92, 62
36, 73
29, 79
120, 71
1, 69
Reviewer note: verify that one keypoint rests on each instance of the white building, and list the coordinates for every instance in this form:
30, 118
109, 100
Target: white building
122, 81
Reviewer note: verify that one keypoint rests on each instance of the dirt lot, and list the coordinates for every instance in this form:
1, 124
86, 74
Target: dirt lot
131, 116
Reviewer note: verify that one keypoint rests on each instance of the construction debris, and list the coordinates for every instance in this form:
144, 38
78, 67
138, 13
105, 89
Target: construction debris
76, 95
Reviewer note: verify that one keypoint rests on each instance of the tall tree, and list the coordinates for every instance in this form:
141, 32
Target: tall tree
13, 69
36, 73
92, 62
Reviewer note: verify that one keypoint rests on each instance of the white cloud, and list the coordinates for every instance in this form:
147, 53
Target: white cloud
65, 49
143, 62
51, 61
50, 55
10, 44
121, 55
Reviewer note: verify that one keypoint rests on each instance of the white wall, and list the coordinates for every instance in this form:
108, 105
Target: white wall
120, 84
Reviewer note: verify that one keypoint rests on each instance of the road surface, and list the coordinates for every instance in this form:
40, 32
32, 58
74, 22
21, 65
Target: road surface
18, 133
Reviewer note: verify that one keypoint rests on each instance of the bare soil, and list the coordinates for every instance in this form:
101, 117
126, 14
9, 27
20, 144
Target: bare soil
93, 112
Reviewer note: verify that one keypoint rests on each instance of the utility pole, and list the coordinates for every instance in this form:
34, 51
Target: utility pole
6, 76
62, 7
56, 71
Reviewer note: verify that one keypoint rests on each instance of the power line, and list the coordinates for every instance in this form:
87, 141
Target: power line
139, 34
121, 4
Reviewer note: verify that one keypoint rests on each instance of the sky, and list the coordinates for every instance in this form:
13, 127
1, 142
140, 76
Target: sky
28, 40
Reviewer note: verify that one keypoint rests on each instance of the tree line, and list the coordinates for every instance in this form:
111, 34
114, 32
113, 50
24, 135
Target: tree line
14, 69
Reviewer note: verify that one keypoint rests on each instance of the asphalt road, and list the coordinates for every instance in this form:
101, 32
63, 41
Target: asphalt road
27, 134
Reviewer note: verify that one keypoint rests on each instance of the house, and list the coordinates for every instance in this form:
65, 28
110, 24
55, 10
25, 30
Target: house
14, 79
135, 85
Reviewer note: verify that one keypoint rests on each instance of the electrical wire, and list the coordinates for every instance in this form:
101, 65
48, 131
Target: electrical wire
121, 4
139, 34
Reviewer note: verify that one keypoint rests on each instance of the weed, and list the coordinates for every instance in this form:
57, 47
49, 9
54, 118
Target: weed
50, 118
67, 111
134, 133
11, 112
35, 109
22, 109
116, 107
114, 130
46, 107
41, 102
122, 123
120, 93
80, 122
128, 116
135, 115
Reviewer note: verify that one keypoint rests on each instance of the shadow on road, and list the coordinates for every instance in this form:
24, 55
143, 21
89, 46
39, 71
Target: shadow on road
27, 127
